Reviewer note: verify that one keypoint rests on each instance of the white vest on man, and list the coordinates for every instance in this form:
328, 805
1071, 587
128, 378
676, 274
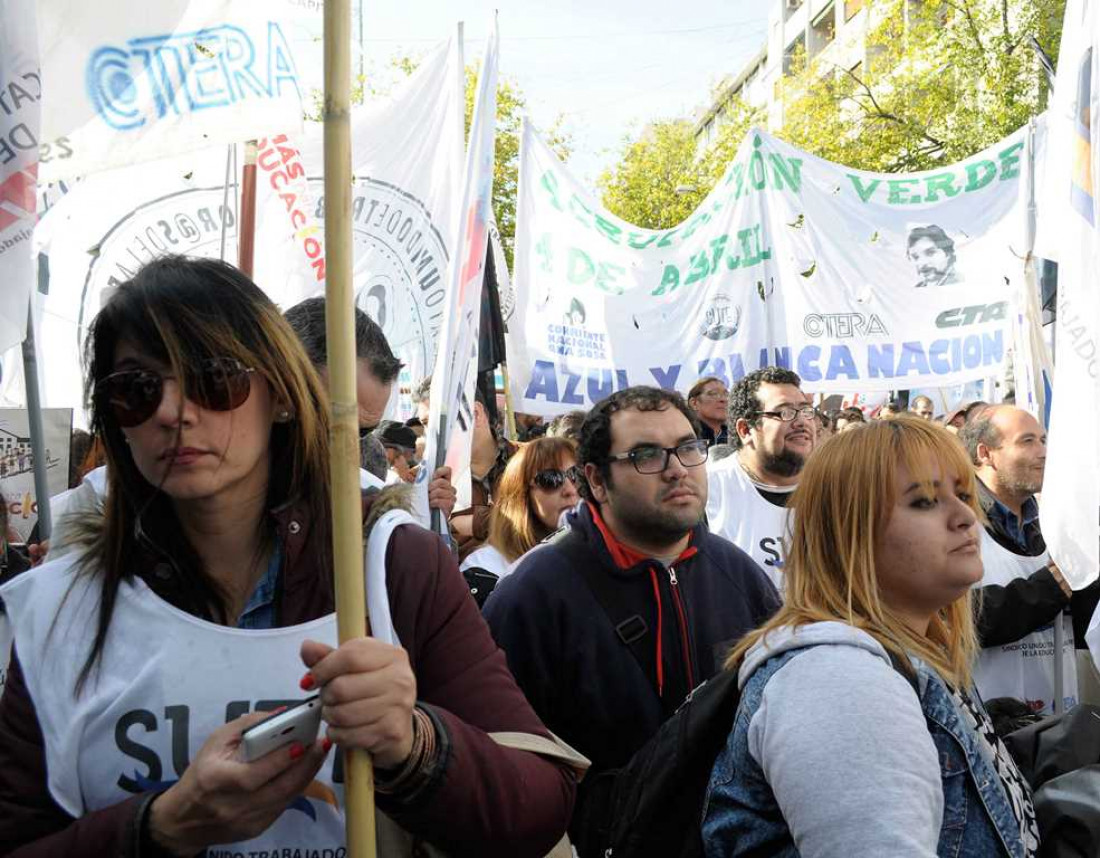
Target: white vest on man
737, 512
165, 682
1024, 669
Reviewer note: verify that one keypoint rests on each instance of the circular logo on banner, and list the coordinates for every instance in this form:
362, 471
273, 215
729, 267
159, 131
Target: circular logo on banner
400, 268
187, 222
721, 319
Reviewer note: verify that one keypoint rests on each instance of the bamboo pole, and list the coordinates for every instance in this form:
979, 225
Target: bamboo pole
347, 524
246, 226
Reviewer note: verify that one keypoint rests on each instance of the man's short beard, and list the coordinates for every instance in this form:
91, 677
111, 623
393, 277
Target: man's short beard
785, 464
1021, 488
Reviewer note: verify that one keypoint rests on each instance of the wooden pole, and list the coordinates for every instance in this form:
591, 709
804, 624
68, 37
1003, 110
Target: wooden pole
246, 228
347, 519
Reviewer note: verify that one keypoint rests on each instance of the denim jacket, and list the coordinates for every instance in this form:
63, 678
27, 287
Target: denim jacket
742, 816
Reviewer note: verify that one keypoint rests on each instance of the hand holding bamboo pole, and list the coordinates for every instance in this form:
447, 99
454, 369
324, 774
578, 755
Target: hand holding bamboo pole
347, 526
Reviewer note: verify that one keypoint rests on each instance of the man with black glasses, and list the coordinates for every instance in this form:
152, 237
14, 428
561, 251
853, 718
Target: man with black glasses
774, 427
611, 622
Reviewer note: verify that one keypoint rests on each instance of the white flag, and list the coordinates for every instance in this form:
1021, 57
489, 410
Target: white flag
1071, 490
408, 161
20, 92
455, 376
141, 81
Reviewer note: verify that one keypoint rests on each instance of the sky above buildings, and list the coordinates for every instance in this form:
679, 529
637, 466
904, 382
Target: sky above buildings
607, 67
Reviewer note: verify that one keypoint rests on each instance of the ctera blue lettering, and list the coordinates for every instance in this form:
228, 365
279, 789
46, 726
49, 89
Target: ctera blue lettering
179, 73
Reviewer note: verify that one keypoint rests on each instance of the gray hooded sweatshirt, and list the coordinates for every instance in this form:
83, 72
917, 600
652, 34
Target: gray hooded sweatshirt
842, 741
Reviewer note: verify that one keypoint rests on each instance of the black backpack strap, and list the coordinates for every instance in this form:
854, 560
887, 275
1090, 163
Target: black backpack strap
630, 627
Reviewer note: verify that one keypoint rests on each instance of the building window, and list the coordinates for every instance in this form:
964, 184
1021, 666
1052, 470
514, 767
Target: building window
795, 51
790, 7
822, 30
851, 7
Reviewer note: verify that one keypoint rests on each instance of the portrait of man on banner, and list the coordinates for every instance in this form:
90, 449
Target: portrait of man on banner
932, 253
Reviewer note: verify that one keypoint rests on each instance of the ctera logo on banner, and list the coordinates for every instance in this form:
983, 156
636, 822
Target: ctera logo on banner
853, 280
214, 67
152, 80
111, 223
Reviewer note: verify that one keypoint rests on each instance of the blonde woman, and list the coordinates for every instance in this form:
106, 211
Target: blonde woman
538, 485
858, 730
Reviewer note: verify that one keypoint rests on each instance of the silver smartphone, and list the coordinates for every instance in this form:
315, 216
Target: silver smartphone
299, 723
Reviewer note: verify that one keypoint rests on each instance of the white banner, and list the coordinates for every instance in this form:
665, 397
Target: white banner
20, 93
141, 81
17, 463
856, 281
1071, 489
407, 157
455, 377
407, 154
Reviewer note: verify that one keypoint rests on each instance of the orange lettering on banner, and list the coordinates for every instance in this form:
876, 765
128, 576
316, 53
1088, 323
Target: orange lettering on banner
272, 155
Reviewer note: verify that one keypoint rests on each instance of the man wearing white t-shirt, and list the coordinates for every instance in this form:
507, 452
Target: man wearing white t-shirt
774, 427
1008, 448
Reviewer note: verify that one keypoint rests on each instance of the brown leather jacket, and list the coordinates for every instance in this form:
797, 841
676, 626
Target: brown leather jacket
484, 799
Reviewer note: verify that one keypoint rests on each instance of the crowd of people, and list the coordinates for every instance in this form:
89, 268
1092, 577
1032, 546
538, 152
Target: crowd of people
875, 587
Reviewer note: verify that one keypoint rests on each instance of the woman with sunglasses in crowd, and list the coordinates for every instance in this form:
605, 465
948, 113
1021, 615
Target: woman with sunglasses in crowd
205, 592
539, 484
859, 731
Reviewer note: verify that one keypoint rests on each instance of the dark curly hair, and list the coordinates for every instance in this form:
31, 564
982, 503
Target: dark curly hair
594, 444
744, 403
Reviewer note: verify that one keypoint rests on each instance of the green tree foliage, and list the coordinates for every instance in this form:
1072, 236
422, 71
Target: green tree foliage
511, 105
942, 80
662, 176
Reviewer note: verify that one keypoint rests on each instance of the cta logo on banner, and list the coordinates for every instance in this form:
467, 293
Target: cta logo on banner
854, 280
142, 81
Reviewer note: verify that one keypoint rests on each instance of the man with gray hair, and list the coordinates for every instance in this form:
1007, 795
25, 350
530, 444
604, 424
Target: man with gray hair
1008, 448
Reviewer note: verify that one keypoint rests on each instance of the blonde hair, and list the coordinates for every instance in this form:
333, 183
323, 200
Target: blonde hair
514, 529
843, 503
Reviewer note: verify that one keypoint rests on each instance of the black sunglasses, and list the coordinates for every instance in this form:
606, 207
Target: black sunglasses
553, 479
133, 395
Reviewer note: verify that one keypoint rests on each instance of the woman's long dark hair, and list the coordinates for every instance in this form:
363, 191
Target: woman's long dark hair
182, 312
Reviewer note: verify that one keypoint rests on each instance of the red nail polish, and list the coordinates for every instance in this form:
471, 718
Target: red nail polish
307, 682
278, 710
326, 745
296, 750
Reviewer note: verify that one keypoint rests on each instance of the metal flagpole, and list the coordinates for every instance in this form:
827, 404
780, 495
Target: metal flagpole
34, 420
1035, 371
225, 197
347, 517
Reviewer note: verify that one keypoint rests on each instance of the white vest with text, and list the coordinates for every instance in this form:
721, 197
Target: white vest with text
737, 512
165, 682
1024, 669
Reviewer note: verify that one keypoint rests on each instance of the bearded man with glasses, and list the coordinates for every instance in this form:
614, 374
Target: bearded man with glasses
611, 622
775, 429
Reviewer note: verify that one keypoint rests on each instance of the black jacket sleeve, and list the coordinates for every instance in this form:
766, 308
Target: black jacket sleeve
1083, 605
1006, 614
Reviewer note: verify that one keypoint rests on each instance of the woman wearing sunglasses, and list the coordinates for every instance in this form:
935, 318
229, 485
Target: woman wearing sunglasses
205, 592
539, 484
859, 731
